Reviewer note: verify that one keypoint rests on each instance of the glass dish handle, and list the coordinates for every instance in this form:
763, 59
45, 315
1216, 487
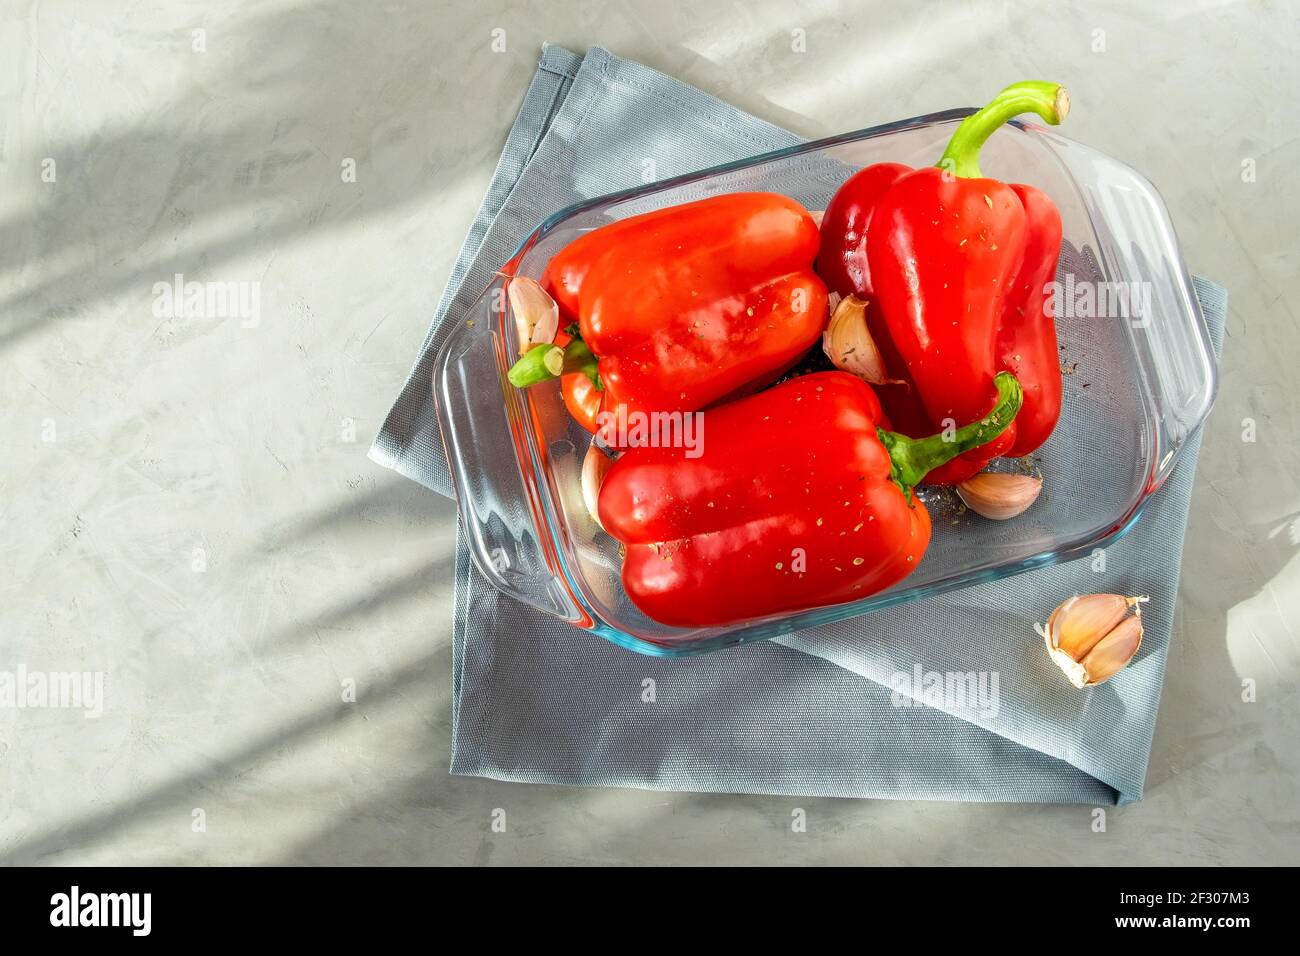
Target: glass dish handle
475, 404
1170, 336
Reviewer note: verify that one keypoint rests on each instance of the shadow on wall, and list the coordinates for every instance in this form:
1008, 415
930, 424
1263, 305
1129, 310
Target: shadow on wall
1247, 636
248, 154
180, 792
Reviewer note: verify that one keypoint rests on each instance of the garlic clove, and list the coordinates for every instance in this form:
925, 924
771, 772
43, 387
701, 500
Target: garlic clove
1091, 637
999, 495
537, 316
1077, 625
847, 342
1113, 651
817, 216
594, 468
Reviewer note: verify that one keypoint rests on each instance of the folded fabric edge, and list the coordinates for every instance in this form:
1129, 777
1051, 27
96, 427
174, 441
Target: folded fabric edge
765, 136
521, 143
712, 787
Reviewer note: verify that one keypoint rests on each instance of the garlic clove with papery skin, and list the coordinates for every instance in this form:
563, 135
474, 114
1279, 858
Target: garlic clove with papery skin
847, 342
999, 495
594, 468
537, 316
1081, 622
1091, 637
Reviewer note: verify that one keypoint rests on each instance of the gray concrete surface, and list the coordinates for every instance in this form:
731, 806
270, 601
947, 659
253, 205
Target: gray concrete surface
189, 510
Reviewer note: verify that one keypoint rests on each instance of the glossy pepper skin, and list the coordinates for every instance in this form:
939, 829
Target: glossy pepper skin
581, 396
799, 499
955, 268
842, 259
1027, 346
688, 305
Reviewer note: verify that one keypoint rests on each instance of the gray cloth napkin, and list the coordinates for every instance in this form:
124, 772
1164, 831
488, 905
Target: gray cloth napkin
820, 712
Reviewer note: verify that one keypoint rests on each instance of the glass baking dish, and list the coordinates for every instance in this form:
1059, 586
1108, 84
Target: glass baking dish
1140, 379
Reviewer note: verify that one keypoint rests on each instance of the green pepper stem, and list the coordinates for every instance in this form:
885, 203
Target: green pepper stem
1051, 101
544, 362
914, 458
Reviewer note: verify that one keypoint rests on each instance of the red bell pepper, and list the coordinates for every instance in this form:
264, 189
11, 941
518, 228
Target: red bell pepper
799, 499
685, 306
955, 269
